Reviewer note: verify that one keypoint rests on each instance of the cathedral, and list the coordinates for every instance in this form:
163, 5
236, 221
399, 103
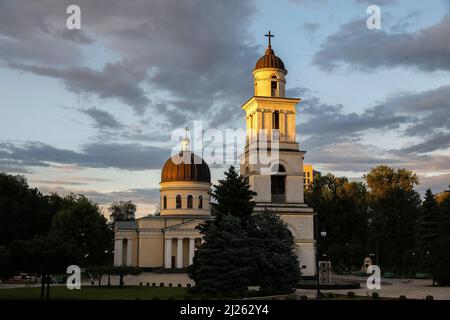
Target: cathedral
169, 240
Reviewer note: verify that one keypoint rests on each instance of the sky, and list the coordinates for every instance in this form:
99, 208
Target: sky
92, 111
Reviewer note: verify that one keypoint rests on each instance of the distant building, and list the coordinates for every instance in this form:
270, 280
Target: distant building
309, 175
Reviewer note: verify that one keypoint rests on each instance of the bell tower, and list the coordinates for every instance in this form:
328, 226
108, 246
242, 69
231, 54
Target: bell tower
272, 159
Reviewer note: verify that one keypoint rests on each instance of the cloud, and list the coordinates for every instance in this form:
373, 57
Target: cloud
354, 44
131, 156
435, 183
441, 141
118, 80
188, 55
102, 119
311, 27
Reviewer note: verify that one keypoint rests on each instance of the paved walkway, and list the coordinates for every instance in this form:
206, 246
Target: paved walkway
391, 288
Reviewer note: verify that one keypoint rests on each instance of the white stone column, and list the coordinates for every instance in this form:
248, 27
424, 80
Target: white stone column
168, 254
118, 252
180, 253
191, 250
129, 252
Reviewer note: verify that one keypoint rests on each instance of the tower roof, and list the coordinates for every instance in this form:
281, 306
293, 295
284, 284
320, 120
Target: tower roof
269, 59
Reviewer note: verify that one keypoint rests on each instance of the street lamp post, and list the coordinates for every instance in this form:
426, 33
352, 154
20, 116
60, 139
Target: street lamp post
323, 233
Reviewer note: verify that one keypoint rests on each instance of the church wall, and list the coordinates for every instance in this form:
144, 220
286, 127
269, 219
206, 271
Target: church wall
306, 256
185, 252
301, 226
151, 251
261, 185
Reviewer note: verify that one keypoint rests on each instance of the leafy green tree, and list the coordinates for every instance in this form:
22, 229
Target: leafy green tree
274, 263
233, 195
24, 212
45, 255
6, 267
342, 211
122, 211
394, 206
81, 222
221, 264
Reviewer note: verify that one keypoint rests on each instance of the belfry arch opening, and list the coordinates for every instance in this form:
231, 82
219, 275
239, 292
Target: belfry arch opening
278, 184
273, 86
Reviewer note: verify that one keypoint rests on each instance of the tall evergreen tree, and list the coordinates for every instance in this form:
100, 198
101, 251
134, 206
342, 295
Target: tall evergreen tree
241, 248
427, 227
233, 195
221, 264
275, 267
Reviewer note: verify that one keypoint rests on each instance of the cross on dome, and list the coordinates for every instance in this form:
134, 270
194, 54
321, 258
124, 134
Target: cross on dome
269, 35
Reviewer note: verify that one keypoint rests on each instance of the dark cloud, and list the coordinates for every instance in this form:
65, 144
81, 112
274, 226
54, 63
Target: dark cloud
354, 44
118, 80
195, 52
441, 141
130, 156
335, 141
102, 119
423, 115
325, 124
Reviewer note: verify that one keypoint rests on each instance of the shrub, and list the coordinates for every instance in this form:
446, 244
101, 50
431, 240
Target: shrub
187, 297
375, 295
155, 298
170, 285
188, 285
402, 297
170, 298
303, 297
153, 284
179, 285
147, 284
351, 294
161, 284
429, 297
140, 284
330, 295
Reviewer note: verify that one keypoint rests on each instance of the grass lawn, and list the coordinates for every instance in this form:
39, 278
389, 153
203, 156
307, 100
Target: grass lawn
96, 293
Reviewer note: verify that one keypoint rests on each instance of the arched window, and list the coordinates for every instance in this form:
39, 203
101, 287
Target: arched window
273, 86
178, 201
190, 200
200, 202
164, 202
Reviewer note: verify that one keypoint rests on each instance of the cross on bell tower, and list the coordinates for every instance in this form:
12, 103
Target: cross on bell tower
269, 35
